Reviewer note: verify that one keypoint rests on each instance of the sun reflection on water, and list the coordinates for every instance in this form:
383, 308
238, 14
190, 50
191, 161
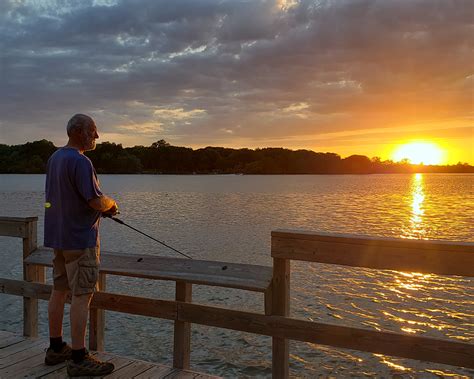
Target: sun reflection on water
445, 374
412, 286
388, 361
418, 197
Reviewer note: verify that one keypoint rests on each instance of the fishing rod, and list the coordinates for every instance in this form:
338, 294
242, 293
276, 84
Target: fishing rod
154, 239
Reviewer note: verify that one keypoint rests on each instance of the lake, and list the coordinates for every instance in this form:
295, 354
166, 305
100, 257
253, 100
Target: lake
230, 217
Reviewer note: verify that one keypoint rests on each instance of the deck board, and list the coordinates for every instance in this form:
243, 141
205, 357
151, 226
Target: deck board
8, 340
128, 371
22, 357
18, 356
41, 370
24, 368
158, 371
19, 346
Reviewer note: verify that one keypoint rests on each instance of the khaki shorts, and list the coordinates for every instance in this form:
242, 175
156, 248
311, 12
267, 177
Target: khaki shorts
76, 270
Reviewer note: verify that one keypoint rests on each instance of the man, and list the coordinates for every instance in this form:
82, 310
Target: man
73, 208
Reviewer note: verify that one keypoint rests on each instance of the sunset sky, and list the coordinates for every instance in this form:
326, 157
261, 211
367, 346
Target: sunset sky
345, 76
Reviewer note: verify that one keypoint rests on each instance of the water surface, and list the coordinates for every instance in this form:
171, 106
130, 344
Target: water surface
230, 217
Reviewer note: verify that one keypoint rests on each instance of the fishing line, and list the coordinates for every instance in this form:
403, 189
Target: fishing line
154, 239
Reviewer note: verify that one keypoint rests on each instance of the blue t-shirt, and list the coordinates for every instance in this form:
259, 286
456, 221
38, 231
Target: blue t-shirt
71, 181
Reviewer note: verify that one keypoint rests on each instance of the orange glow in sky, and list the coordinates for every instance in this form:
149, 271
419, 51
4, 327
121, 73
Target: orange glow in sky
420, 152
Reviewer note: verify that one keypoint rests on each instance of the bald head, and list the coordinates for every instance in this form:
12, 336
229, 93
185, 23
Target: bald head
79, 121
82, 132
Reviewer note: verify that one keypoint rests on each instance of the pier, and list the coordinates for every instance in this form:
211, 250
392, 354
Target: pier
438, 257
23, 357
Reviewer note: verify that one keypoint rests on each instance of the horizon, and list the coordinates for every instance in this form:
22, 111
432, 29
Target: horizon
372, 158
370, 78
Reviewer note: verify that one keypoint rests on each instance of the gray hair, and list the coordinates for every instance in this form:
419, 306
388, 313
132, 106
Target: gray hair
78, 121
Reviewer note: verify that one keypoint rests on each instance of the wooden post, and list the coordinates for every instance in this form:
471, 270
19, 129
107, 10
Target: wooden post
97, 321
31, 273
182, 330
280, 307
267, 300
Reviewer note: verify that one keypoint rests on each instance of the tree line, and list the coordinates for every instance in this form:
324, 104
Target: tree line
162, 158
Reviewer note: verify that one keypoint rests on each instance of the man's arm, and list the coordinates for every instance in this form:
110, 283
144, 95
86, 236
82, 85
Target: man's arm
104, 204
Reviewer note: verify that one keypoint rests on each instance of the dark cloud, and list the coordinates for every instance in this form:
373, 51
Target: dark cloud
221, 70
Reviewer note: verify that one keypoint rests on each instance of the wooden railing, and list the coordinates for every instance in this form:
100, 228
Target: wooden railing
26, 228
445, 258
439, 257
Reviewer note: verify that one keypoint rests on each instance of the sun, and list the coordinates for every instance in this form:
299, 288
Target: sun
419, 152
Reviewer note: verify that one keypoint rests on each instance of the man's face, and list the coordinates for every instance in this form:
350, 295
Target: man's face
89, 135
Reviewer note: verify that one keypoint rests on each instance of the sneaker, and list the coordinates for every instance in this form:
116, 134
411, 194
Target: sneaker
90, 366
53, 358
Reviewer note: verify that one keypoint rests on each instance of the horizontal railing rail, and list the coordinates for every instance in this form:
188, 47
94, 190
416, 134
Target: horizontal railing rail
222, 274
16, 226
406, 346
424, 256
440, 257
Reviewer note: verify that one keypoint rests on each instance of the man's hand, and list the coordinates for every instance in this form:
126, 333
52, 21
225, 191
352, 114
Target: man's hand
112, 211
104, 204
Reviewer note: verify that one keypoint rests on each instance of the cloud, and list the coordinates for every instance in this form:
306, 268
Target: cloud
193, 68
144, 128
178, 113
297, 107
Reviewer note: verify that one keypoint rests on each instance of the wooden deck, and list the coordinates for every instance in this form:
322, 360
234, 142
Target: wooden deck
23, 357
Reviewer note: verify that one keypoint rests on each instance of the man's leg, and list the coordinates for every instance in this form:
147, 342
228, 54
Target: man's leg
83, 271
56, 312
79, 314
58, 350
